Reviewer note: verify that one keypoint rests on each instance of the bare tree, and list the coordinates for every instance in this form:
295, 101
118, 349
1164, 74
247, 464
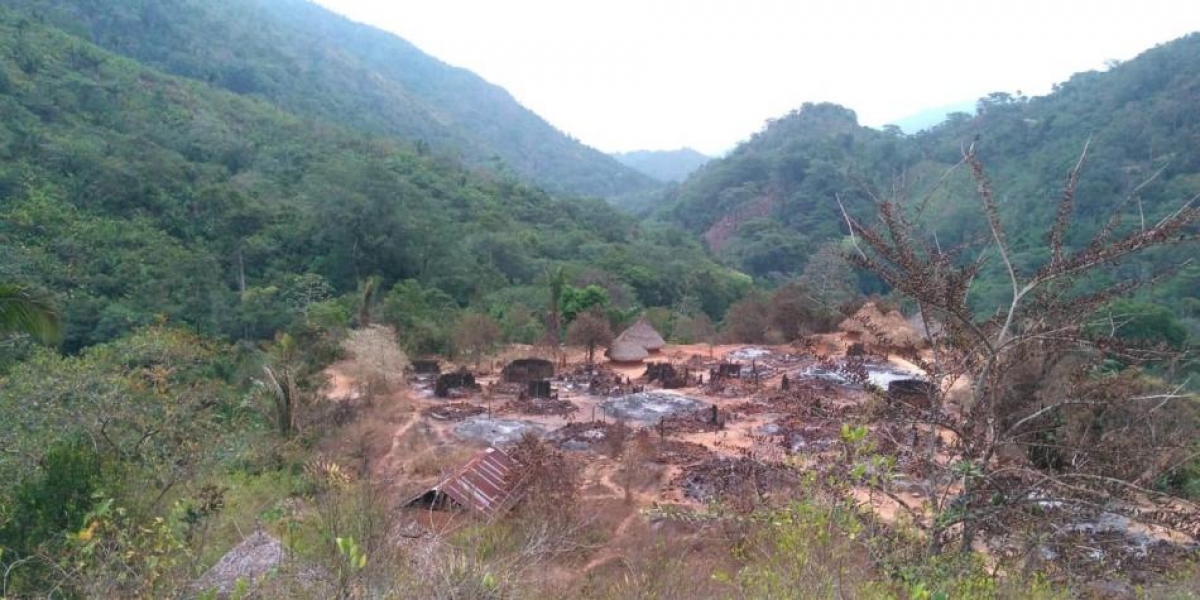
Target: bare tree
590, 329
1041, 425
476, 335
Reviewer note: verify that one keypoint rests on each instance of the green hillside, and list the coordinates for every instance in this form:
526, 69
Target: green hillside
772, 202
317, 64
136, 195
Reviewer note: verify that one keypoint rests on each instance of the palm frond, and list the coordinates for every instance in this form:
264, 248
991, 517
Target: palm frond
25, 310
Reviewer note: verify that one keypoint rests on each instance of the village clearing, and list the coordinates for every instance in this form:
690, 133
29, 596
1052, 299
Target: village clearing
654, 462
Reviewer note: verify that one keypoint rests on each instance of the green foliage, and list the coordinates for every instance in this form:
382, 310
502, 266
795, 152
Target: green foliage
147, 196
577, 300
154, 396
771, 205
45, 506
356, 559
316, 64
1145, 323
23, 310
422, 316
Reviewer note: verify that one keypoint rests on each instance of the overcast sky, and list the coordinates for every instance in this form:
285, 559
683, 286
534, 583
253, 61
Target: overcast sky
662, 74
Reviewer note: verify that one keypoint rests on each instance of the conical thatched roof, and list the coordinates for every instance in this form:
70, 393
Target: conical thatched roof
249, 561
626, 351
644, 335
893, 326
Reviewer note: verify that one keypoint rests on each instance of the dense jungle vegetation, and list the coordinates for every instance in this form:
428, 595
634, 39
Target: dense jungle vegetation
771, 205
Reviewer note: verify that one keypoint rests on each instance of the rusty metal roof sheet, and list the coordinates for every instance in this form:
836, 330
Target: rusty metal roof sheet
485, 483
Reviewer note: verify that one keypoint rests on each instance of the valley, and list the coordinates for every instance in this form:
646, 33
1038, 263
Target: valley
292, 308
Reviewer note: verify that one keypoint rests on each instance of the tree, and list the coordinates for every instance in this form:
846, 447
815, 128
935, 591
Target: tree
1143, 322
747, 320
422, 316
590, 329
1041, 423
556, 280
24, 310
828, 277
792, 311
695, 329
366, 300
577, 300
476, 335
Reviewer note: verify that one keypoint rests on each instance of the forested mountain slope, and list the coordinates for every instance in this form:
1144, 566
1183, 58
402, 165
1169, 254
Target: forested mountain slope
314, 63
664, 165
772, 202
135, 195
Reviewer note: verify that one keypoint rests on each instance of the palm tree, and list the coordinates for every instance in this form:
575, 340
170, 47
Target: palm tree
556, 280
25, 310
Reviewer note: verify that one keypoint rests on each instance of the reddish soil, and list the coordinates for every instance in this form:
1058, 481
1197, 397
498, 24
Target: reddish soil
679, 452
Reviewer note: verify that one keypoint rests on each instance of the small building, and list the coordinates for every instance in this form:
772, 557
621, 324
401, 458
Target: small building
622, 351
524, 370
644, 335
666, 375
914, 393
455, 380
540, 388
486, 484
246, 564
426, 366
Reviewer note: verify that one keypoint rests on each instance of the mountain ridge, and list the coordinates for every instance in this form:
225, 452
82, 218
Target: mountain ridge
667, 166
317, 63
139, 196
1140, 117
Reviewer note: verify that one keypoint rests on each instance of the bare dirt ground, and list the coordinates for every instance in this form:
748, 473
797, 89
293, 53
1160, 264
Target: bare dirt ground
406, 440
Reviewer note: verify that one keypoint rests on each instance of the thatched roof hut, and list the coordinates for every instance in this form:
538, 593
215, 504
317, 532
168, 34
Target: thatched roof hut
626, 352
644, 335
250, 561
870, 323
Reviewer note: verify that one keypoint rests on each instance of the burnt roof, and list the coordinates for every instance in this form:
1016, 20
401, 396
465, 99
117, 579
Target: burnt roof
484, 484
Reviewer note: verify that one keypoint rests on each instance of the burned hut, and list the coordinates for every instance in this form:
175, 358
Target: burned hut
524, 370
915, 393
725, 370
486, 484
539, 389
460, 379
426, 366
666, 375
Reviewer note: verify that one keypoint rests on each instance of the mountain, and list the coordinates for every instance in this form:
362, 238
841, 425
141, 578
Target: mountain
138, 197
314, 63
773, 202
667, 166
922, 120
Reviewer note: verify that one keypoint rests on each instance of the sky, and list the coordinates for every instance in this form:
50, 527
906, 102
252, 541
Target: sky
625, 75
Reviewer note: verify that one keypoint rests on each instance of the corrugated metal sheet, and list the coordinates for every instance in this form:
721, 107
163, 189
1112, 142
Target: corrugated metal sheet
485, 483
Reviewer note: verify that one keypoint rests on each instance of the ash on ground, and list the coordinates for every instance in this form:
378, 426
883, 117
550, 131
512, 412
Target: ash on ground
496, 432
649, 407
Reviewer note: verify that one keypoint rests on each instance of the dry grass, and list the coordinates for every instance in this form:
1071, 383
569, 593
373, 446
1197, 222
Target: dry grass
378, 362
